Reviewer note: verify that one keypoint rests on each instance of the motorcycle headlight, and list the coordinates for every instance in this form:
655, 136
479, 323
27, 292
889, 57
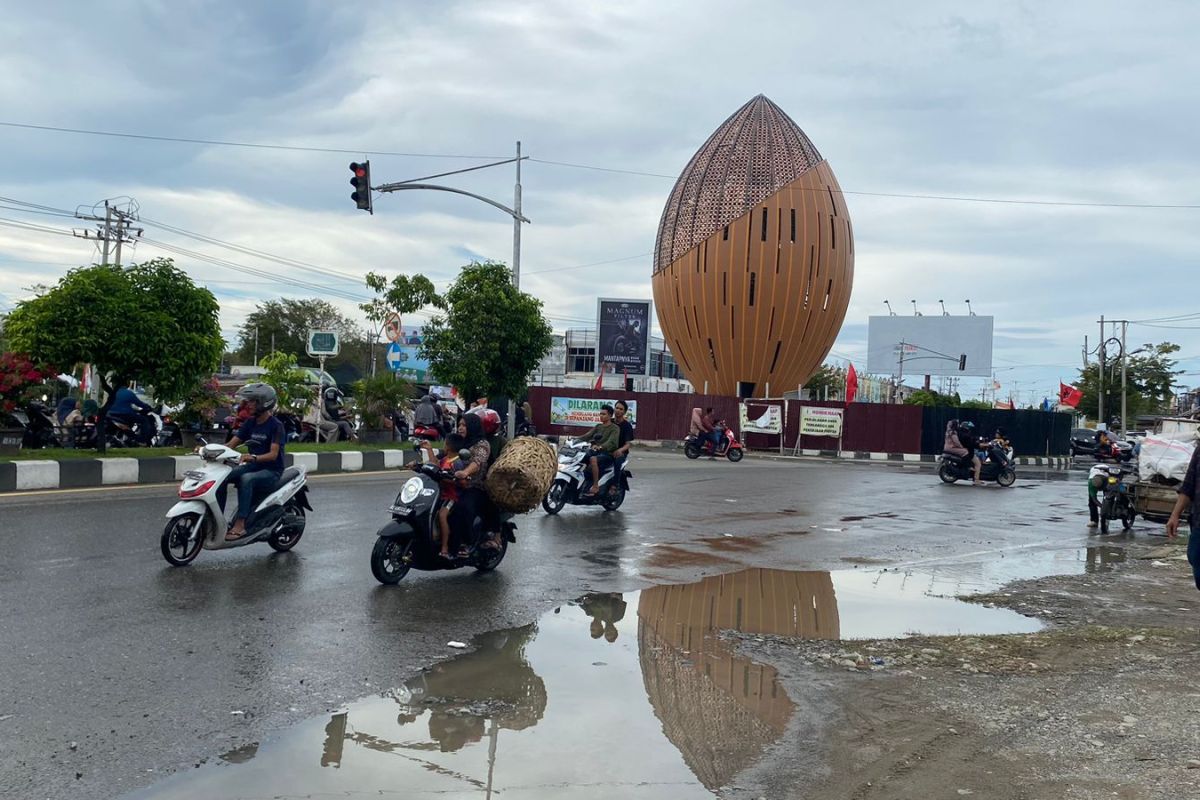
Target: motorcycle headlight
410, 490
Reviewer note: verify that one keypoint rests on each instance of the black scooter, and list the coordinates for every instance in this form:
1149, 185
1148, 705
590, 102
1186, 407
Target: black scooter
408, 541
955, 468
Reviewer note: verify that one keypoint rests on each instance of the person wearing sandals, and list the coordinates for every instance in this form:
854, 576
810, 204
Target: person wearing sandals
451, 462
264, 436
472, 498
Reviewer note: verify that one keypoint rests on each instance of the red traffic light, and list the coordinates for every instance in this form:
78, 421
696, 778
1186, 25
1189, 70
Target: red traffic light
359, 170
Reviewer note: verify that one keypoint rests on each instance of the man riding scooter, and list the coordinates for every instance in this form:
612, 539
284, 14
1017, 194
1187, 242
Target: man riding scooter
264, 437
335, 412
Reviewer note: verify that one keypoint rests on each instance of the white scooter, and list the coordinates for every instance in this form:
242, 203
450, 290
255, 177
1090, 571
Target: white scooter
572, 484
196, 522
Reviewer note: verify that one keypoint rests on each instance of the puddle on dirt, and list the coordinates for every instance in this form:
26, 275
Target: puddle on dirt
630, 695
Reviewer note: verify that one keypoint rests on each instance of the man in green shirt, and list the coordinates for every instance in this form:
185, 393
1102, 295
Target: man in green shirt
605, 439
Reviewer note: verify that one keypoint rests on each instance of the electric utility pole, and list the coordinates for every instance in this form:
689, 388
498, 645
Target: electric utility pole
112, 230
1100, 408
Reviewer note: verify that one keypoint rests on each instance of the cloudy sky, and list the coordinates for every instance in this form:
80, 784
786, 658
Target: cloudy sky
1085, 103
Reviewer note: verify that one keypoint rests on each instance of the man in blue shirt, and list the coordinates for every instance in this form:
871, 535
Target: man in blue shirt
264, 436
126, 407
1189, 498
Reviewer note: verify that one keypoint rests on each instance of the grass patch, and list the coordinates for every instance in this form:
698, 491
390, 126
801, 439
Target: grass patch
70, 454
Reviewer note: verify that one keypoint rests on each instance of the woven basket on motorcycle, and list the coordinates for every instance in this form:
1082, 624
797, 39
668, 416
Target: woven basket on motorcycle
522, 474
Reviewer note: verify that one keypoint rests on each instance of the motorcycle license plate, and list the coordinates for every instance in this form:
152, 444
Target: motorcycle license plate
403, 511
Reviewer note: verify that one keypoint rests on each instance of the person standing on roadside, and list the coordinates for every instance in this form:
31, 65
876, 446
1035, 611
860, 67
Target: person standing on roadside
1188, 494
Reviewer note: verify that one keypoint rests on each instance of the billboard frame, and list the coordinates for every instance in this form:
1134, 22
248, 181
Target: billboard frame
933, 345
601, 364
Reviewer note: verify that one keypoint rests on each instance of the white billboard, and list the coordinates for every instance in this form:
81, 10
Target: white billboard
942, 345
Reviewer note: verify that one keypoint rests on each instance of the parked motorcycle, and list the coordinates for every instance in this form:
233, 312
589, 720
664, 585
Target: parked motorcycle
197, 523
411, 540
40, 429
954, 468
572, 484
425, 433
149, 430
1116, 495
731, 448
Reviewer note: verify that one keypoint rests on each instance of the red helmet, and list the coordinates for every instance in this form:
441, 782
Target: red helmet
489, 419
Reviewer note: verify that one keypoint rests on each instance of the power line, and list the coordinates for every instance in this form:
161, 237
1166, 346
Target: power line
224, 143
591, 167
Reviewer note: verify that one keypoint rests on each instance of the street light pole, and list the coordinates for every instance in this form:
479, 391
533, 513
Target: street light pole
1124, 326
514, 212
516, 270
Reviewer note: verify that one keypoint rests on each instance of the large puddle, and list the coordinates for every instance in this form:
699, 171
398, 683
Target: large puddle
628, 695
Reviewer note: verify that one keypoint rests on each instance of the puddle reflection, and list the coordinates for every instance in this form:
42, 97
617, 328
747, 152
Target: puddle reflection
668, 710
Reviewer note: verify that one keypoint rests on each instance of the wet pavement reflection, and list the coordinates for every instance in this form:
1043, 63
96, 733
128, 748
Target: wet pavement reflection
592, 700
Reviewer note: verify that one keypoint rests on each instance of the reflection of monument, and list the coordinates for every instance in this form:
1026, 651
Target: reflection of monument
718, 708
755, 257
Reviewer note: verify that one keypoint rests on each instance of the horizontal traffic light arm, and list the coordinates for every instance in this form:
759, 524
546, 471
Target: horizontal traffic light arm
397, 187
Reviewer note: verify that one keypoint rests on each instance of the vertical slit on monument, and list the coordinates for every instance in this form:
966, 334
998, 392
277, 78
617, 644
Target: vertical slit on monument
712, 355
752, 280
771, 326
763, 234
831, 200
793, 224
832, 234
776, 358
828, 291
725, 289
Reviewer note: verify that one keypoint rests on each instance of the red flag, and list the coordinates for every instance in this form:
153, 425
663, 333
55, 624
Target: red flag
851, 384
1069, 395
600, 378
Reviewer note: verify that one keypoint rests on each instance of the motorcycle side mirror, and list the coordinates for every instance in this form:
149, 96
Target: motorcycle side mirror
464, 454
200, 440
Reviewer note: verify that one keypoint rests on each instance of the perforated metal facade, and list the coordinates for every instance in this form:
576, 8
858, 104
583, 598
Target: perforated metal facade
755, 257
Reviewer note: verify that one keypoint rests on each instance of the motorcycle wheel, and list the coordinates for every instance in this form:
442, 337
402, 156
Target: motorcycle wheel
734, 454
612, 502
283, 540
1128, 517
691, 451
182, 540
490, 557
387, 561
946, 473
1007, 477
556, 498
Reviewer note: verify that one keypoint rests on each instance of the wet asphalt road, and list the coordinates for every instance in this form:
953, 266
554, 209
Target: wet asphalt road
149, 668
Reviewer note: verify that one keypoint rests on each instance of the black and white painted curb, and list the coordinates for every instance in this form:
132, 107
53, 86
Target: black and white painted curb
1050, 462
23, 476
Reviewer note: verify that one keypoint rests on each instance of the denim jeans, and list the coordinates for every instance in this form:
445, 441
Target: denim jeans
248, 480
1194, 545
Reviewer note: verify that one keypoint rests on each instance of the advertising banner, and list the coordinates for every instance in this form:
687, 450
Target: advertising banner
623, 340
584, 412
820, 421
761, 419
409, 363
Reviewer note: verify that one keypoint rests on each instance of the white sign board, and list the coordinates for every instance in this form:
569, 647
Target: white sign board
761, 419
930, 345
820, 421
323, 343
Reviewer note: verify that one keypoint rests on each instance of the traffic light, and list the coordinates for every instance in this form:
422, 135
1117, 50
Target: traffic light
362, 185
962, 362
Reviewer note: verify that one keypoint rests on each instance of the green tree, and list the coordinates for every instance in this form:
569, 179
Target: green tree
284, 324
147, 322
289, 381
489, 337
1150, 375
826, 377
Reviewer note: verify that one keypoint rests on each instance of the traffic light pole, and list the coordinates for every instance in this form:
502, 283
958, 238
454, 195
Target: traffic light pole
514, 212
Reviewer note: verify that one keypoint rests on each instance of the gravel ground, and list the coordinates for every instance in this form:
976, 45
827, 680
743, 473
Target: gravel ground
1102, 703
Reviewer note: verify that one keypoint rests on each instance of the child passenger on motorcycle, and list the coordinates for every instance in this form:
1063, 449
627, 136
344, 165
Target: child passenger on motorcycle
451, 462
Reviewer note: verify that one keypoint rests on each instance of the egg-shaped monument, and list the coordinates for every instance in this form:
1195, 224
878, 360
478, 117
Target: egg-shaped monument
755, 258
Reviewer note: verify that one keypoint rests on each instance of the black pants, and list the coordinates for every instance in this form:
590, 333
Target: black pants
471, 504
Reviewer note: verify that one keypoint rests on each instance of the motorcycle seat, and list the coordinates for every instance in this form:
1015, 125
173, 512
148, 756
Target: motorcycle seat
287, 475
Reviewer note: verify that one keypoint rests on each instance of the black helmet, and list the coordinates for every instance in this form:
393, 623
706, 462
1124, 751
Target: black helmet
967, 425
261, 394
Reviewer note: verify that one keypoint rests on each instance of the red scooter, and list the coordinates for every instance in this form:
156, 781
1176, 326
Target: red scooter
731, 448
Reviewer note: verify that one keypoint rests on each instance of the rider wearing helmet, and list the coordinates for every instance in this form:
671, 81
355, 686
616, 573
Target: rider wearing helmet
970, 441
426, 414
335, 411
264, 437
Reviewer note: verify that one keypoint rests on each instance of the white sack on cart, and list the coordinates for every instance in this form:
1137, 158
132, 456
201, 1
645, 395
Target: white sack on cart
1167, 458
